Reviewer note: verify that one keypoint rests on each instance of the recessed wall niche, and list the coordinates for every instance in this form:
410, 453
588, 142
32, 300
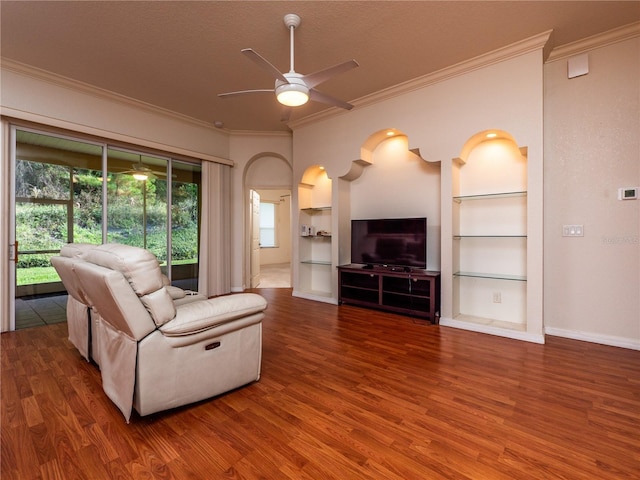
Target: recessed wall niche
399, 183
315, 232
489, 225
386, 180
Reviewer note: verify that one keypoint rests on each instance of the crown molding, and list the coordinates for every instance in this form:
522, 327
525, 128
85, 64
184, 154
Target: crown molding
78, 86
616, 35
536, 42
259, 133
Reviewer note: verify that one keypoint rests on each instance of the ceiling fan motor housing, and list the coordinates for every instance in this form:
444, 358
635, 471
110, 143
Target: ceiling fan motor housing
294, 93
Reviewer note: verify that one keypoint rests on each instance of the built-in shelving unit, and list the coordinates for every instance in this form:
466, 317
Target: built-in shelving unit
315, 250
489, 238
315, 224
490, 249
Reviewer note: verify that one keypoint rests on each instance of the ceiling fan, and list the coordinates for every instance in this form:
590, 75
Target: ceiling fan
141, 172
293, 89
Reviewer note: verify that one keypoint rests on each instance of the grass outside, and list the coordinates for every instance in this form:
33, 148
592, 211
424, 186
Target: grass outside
34, 275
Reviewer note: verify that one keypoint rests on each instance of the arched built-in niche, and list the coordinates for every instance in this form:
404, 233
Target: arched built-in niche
489, 237
264, 171
399, 183
326, 200
314, 273
369, 146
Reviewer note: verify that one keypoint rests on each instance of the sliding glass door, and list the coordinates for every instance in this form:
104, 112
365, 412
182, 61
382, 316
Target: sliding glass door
53, 177
137, 200
72, 190
186, 199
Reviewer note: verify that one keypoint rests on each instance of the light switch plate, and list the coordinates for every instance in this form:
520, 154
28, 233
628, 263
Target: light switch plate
572, 231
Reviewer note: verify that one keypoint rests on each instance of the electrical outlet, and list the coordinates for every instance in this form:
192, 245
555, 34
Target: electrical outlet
497, 297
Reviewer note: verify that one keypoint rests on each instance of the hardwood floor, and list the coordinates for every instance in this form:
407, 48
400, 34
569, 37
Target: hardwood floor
345, 393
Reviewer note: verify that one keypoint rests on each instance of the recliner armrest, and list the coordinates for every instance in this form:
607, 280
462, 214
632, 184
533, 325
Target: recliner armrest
199, 316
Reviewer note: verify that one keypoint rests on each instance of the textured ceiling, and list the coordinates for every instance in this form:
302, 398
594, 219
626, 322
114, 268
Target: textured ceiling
180, 55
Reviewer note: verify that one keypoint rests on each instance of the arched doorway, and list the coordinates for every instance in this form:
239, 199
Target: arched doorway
267, 183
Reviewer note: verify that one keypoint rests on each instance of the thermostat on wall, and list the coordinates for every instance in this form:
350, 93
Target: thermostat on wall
628, 193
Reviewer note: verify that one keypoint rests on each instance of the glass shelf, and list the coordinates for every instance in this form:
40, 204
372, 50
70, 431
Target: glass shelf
484, 196
316, 262
458, 237
495, 276
315, 209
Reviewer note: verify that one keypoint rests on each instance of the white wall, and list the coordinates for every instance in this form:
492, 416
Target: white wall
45, 98
592, 147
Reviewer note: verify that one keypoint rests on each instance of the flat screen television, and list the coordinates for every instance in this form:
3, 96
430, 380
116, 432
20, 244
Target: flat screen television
393, 242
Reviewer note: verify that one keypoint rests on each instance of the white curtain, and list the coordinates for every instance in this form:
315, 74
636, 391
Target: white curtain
215, 230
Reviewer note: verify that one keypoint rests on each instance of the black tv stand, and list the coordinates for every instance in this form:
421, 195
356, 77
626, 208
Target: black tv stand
415, 292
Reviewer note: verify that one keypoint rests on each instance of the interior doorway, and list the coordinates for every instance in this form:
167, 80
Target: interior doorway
270, 175
275, 238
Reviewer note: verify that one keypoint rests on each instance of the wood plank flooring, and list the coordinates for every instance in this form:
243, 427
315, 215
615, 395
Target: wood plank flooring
345, 393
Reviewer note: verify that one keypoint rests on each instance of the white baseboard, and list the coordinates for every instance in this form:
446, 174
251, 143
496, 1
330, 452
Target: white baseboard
622, 342
315, 297
488, 329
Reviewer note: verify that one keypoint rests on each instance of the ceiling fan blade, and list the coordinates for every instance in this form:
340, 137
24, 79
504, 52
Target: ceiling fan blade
316, 96
242, 92
316, 78
264, 64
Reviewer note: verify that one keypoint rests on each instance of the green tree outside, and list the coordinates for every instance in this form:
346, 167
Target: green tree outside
44, 202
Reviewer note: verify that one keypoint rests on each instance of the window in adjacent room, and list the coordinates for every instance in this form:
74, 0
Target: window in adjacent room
268, 222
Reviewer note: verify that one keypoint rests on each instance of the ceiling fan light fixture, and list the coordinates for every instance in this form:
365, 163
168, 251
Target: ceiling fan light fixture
140, 176
292, 95
293, 89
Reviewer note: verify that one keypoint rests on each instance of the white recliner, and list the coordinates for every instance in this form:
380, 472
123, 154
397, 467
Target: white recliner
155, 351
78, 309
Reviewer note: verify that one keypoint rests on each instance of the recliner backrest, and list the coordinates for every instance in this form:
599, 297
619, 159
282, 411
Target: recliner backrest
142, 271
69, 253
111, 296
